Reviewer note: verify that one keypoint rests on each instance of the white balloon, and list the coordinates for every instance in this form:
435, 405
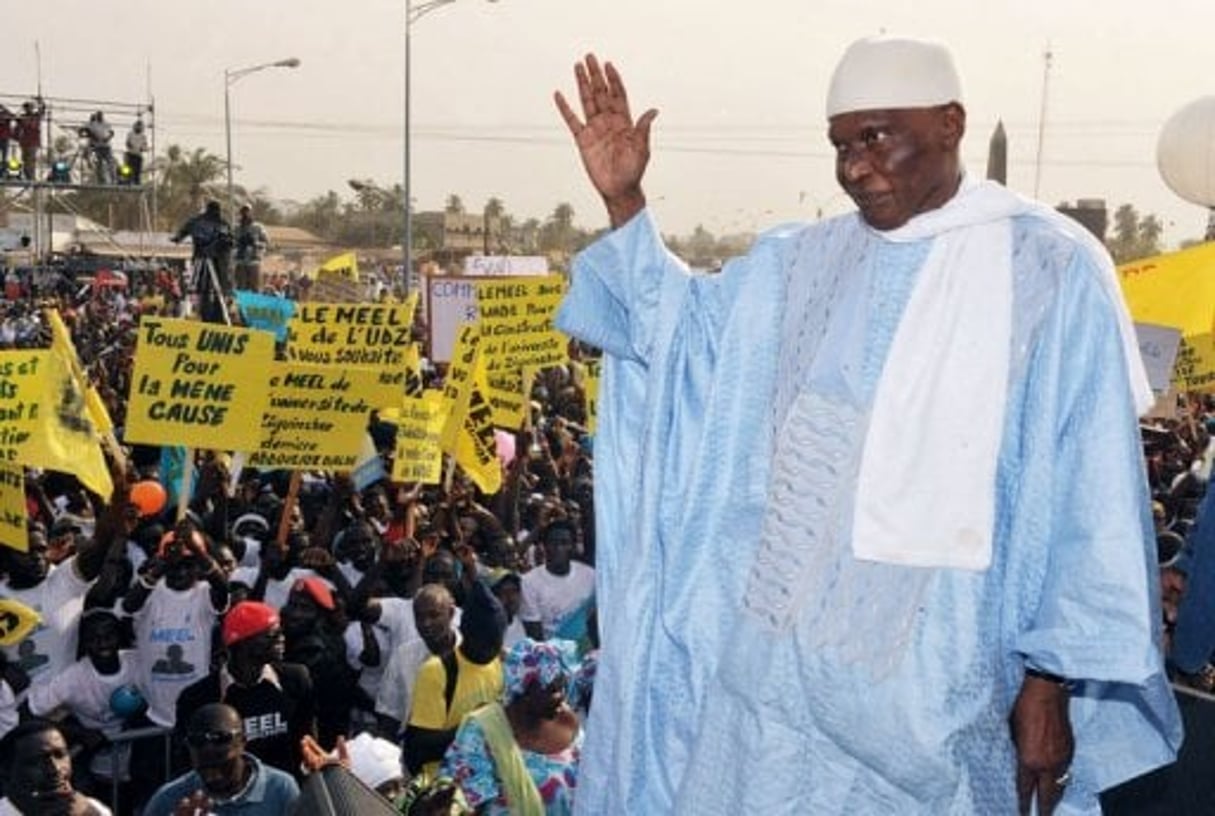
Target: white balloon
1185, 152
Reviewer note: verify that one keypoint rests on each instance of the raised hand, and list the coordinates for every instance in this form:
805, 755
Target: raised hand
614, 148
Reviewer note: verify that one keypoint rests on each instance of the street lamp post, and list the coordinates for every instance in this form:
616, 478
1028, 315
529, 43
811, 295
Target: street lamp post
231, 75
413, 13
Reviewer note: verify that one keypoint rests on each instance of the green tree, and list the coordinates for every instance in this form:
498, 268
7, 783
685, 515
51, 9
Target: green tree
185, 180
454, 205
1133, 236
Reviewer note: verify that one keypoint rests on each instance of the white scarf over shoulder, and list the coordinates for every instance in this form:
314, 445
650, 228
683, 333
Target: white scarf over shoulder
926, 490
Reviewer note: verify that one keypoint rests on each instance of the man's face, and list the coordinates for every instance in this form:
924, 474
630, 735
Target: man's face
31, 566
433, 621
558, 549
217, 755
41, 778
895, 164
264, 647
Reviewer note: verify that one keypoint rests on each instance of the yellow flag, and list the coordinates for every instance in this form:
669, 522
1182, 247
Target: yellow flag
346, 265
16, 621
66, 438
62, 339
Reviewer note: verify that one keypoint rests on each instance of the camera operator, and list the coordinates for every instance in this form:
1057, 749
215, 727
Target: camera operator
212, 239
251, 242
100, 134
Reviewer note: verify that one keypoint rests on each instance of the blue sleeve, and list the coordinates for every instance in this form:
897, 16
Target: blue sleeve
1100, 605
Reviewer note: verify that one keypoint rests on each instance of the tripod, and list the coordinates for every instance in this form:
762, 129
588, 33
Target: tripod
204, 279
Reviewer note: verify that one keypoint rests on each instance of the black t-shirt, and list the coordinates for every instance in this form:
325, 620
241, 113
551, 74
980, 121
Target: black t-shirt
276, 717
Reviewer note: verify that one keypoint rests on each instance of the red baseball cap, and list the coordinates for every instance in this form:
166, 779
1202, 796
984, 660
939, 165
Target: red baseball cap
317, 590
246, 619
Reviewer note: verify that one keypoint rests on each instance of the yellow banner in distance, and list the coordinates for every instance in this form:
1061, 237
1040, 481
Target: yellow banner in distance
199, 384
346, 265
1178, 290
419, 456
517, 322
13, 517
316, 416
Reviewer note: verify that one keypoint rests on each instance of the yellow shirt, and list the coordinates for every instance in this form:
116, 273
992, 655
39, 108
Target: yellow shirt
476, 685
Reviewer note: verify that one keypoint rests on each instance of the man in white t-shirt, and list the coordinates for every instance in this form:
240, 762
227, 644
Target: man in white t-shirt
56, 593
175, 602
559, 594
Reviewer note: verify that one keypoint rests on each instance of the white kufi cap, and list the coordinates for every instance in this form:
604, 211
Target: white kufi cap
890, 73
373, 760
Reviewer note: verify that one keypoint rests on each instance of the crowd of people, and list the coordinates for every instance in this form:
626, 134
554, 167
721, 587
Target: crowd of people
813, 573
366, 621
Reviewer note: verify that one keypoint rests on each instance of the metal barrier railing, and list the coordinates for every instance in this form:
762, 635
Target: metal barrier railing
129, 737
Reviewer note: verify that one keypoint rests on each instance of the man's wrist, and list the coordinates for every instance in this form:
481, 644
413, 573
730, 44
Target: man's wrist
622, 208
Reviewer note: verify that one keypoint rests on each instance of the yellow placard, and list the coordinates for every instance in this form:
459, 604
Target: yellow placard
476, 448
21, 394
372, 335
17, 621
414, 384
507, 392
419, 457
13, 517
1178, 290
516, 318
316, 416
199, 384
458, 383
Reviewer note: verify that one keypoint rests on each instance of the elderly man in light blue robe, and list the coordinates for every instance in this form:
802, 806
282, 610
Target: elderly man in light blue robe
872, 516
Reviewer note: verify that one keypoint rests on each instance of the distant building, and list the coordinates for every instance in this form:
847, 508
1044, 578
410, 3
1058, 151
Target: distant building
1091, 213
453, 235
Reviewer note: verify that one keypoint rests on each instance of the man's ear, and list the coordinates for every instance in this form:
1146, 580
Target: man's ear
953, 125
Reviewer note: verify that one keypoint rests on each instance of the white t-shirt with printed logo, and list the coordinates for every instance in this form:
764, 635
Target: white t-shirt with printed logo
173, 639
51, 647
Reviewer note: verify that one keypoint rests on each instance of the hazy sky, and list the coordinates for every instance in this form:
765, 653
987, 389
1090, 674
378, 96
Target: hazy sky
740, 142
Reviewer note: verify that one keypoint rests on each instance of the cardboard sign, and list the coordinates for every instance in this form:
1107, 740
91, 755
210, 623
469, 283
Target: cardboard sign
1158, 346
199, 385
371, 335
316, 417
419, 456
450, 303
21, 393
516, 318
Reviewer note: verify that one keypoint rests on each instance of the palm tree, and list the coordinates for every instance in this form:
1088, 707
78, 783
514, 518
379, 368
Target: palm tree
185, 180
454, 205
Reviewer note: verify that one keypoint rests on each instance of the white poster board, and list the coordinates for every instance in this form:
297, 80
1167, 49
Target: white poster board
450, 301
514, 266
1158, 346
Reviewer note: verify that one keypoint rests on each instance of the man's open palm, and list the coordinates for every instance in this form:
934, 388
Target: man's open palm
614, 148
